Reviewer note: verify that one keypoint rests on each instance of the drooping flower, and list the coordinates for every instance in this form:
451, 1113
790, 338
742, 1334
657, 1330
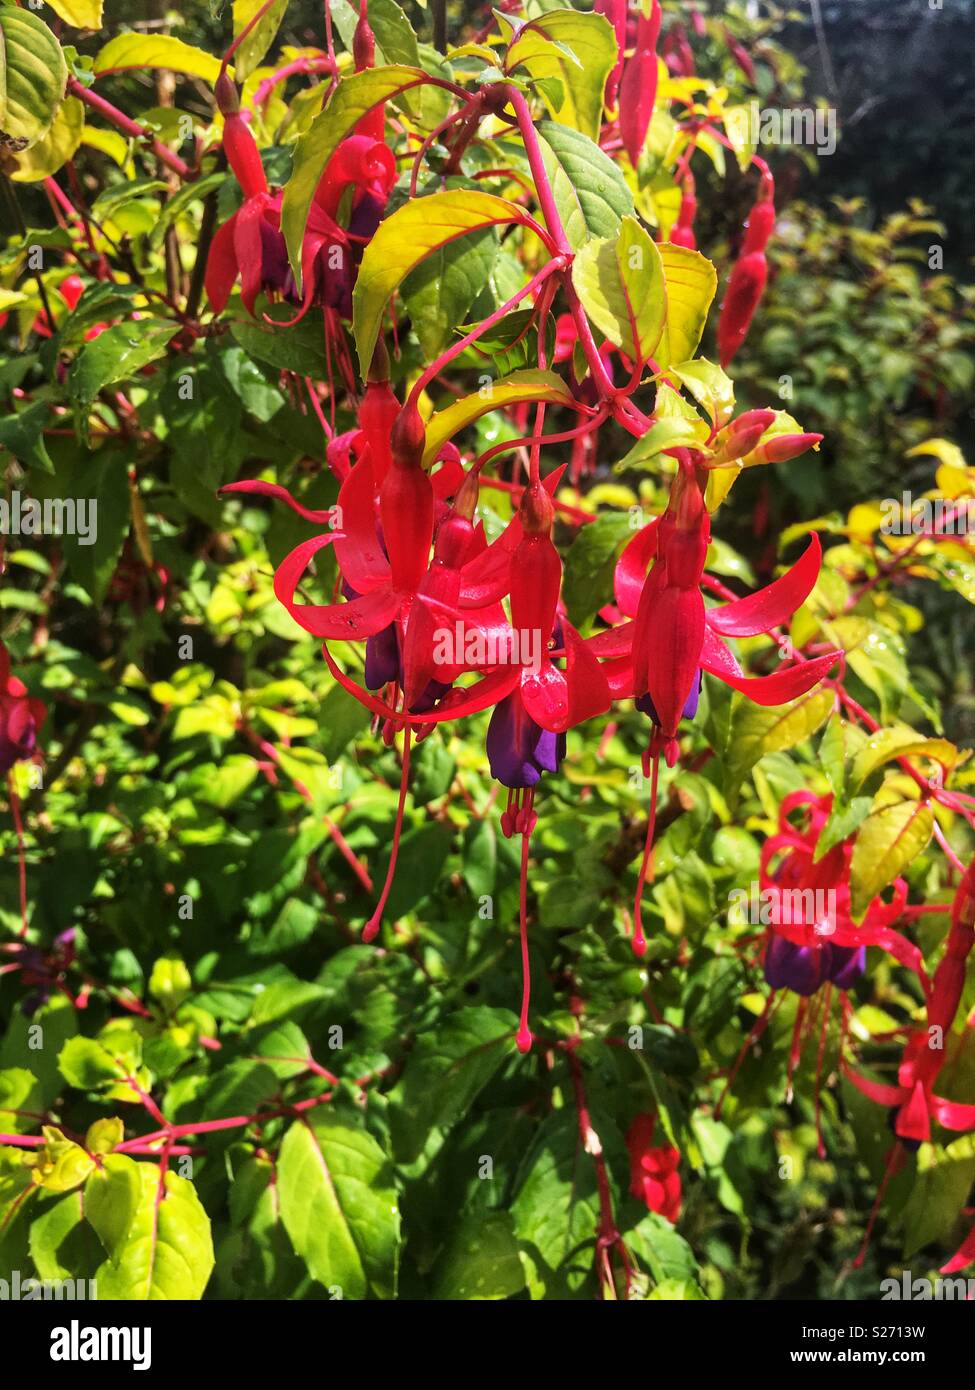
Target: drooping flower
672, 638
250, 245
812, 943
654, 1170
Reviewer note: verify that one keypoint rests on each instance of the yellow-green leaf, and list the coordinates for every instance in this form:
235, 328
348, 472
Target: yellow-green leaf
891, 838
620, 281
691, 282
60, 1164
80, 14
579, 50
402, 242
54, 150
532, 385
260, 38
900, 741
33, 74
354, 96
157, 51
757, 730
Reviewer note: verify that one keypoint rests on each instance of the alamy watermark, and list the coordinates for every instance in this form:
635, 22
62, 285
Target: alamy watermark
18, 1290
475, 647
927, 516
756, 125
55, 516
784, 907
923, 1290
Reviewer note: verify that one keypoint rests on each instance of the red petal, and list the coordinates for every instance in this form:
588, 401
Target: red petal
249, 250
474, 699
875, 1090
774, 604
962, 1257
632, 566
776, 689
358, 552
545, 695
952, 1114
341, 621
222, 269
282, 494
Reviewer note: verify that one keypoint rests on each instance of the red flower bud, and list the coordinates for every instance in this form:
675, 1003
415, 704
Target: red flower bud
745, 287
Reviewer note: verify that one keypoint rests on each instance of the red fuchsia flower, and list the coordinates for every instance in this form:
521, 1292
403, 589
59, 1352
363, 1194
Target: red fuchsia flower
812, 944
615, 12
654, 1175
638, 88
250, 245
673, 638
913, 1100
20, 717
749, 273
913, 1104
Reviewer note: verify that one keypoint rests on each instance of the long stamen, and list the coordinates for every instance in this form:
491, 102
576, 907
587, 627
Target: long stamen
21, 853
371, 928
524, 1036
820, 1056
758, 1028
639, 940
895, 1159
796, 1048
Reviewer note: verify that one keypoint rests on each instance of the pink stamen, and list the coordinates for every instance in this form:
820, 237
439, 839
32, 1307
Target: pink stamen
370, 930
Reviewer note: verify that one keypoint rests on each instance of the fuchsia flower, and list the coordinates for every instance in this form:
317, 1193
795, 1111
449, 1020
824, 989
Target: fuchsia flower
250, 245
20, 717
913, 1100
812, 944
658, 657
397, 600
654, 1175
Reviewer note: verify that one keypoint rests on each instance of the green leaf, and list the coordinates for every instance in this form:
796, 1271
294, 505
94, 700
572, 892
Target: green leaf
298, 349
620, 281
590, 563
439, 292
156, 51
55, 148
115, 355
691, 283
158, 1244
944, 1179
446, 1069
22, 432
481, 1260
19, 1091
899, 741
92, 558
556, 1206
757, 729
62, 1244
339, 1206
259, 40
590, 191
530, 385
408, 237
889, 840
33, 75
34, 1044
579, 50
351, 100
